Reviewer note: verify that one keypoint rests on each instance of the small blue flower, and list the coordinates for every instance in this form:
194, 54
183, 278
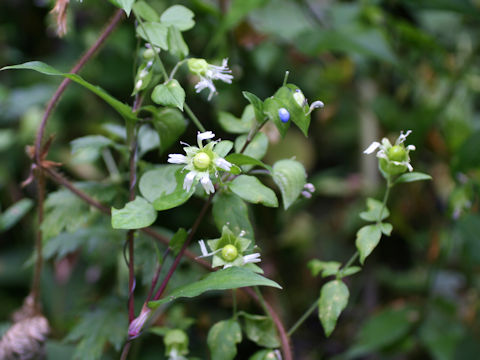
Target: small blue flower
284, 115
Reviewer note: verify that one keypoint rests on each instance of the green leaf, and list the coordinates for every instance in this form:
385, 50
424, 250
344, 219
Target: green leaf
169, 94
234, 125
225, 279
176, 44
222, 339
261, 330
351, 270
164, 187
374, 208
229, 209
257, 105
386, 228
178, 240
88, 148
265, 354
136, 214
223, 148
148, 140
327, 268
250, 189
169, 123
126, 5
154, 32
368, 238
106, 324
14, 213
411, 177
178, 16
124, 110
257, 147
290, 177
333, 299
241, 159
145, 11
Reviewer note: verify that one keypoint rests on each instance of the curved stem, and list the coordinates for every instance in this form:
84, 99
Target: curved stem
193, 117
304, 317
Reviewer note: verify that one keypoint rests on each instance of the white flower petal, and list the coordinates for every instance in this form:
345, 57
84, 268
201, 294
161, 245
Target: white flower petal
402, 137
373, 146
187, 183
205, 135
306, 194
177, 159
410, 168
207, 184
223, 164
203, 248
411, 147
252, 258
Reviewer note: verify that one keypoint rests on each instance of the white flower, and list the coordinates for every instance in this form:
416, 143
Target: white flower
229, 250
394, 159
208, 73
201, 162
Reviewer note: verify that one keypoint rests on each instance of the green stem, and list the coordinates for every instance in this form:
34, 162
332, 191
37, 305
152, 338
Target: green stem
234, 303
262, 301
304, 317
193, 117
176, 67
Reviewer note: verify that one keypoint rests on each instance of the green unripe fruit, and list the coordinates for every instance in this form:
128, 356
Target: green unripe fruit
391, 168
397, 153
201, 161
149, 54
198, 66
229, 252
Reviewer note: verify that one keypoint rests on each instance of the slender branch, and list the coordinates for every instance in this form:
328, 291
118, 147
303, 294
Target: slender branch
38, 241
157, 274
285, 344
304, 317
193, 117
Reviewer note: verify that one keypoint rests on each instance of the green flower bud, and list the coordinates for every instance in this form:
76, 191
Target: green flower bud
197, 66
149, 54
229, 252
391, 168
201, 160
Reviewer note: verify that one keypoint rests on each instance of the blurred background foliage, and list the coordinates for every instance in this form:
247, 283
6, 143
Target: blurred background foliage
380, 66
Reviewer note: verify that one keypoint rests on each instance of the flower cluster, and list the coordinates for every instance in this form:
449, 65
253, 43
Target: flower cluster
208, 72
229, 250
201, 162
394, 159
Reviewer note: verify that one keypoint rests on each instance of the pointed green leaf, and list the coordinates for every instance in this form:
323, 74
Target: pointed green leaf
176, 44
327, 268
154, 32
257, 147
261, 330
351, 270
177, 241
241, 159
145, 11
411, 177
257, 105
386, 228
250, 189
333, 299
229, 278
126, 5
223, 338
164, 187
169, 94
374, 208
136, 214
14, 213
271, 107
178, 16
234, 125
124, 110
169, 123
368, 238
229, 209
290, 177
223, 148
